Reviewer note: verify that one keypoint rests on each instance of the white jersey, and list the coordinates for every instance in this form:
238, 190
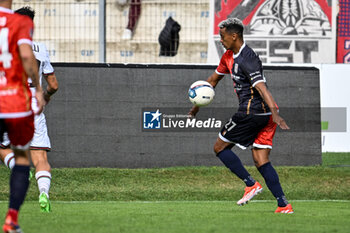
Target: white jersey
45, 67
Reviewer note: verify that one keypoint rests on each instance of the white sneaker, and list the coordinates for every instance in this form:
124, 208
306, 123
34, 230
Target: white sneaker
127, 35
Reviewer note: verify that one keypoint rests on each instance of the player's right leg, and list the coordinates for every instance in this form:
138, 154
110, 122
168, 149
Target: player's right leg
232, 162
43, 177
20, 132
38, 151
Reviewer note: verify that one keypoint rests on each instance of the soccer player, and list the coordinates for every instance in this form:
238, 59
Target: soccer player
41, 142
17, 62
256, 120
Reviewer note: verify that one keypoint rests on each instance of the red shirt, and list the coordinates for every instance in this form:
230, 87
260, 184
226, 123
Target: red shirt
226, 63
15, 96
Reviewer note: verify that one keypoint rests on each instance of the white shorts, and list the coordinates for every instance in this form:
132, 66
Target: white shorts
40, 141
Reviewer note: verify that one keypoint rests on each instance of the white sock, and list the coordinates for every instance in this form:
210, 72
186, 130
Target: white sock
9, 160
43, 179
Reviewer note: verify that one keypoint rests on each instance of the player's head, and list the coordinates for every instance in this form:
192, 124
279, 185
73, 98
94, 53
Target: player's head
231, 31
28, 11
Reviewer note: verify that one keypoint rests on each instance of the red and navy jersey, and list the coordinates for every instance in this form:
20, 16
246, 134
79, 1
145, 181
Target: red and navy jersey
15, 96
246, 71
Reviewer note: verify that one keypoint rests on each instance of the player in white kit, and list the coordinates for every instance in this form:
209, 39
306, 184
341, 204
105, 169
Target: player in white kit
40, 144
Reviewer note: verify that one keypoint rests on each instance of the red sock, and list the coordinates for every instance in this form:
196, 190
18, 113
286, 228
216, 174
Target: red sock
13, 213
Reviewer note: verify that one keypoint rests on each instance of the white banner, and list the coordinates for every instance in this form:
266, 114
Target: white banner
334, 84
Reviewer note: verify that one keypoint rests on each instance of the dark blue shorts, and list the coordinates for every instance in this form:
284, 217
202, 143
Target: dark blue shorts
242, 129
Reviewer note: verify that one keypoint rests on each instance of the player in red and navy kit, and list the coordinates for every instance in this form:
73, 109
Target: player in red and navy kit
17, 61
257, 117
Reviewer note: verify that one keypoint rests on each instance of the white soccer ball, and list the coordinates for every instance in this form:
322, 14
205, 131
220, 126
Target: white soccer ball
201, 93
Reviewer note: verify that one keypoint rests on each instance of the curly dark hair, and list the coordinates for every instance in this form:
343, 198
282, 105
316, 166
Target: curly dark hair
28, 11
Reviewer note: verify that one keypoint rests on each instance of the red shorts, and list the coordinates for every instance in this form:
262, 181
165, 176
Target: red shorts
20, 131
265, 136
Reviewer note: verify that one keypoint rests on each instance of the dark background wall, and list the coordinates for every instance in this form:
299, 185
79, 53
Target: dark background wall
95, 118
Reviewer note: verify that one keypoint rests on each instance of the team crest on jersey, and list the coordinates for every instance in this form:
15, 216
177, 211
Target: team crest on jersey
235, 69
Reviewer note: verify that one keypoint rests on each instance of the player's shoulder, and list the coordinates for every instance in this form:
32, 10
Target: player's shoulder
40, 50
248, 52
228, 55
14, 20
23, 20
249, 56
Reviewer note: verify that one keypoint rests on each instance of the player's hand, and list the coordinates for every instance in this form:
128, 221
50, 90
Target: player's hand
40, 101
47, 98
280, 121
194, 110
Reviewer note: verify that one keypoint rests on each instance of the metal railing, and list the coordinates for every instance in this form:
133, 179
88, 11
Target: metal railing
95, 31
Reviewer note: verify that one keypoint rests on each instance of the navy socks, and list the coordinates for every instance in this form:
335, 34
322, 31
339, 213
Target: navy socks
19, 183
273, 183
233, 163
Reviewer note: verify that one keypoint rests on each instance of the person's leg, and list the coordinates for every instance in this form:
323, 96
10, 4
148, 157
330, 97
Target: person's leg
264, 166
20, 132
133, 18
38, 152
232, 162
134, 14
42, 170
43, 177
6, 154
8, 157
240, 131
19, 184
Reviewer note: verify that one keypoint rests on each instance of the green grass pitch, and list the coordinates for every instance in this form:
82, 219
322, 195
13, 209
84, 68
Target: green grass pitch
185, 216
187, 199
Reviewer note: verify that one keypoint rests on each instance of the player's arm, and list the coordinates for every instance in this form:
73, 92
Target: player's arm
31, 68
213, 80
52, 86
267, 96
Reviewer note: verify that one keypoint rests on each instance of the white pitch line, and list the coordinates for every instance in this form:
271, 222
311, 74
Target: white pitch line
184, 201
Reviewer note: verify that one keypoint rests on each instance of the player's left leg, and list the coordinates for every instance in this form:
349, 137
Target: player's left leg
263, 164
261, 150
38, 152
43, 177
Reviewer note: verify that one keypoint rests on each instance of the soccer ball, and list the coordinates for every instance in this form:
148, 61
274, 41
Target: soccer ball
201, 93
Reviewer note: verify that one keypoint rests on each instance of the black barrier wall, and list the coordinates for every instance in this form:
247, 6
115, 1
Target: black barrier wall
96, 117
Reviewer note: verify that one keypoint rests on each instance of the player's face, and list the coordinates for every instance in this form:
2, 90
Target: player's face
227, 39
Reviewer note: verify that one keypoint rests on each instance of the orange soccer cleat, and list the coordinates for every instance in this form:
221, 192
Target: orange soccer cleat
249, 193
11, 226
285, 210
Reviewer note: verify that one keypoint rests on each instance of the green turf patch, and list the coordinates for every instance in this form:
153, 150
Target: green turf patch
184, 217
184, 183
336, 159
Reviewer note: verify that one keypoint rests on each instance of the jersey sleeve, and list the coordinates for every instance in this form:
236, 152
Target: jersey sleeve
47, 67
253, 70
25, 32
223, 68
